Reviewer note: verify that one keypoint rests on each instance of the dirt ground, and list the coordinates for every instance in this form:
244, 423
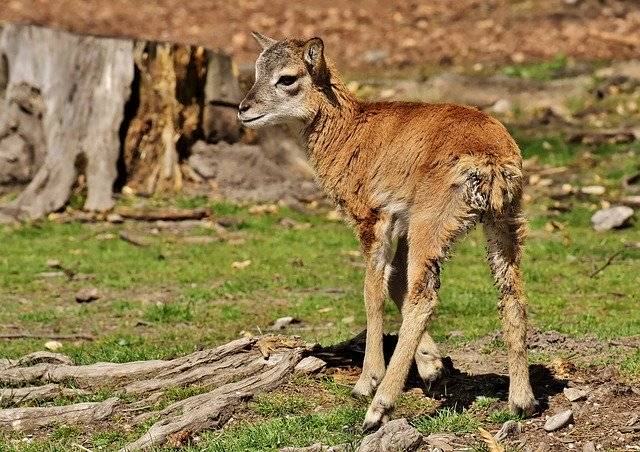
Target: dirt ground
368, 33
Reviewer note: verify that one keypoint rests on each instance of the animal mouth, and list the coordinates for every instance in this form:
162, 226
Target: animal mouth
255, 118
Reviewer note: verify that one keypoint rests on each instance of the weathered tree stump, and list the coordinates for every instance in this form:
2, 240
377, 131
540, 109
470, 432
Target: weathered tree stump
113, 111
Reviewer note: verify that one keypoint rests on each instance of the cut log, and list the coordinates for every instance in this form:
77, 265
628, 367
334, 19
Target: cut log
77, 87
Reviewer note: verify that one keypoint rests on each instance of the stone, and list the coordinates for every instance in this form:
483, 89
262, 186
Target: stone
282, 323
589, 446
87, 295
502, 106
574, 394
596, 190
115, 218
53, 345
613, 217
395, 436
558, 421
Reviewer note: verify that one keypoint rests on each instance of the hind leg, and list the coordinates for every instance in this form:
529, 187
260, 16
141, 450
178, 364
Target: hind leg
428, 358
377, 252
505, 235
429, 239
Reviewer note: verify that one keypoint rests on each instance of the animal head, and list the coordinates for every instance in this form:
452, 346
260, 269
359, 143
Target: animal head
292, 80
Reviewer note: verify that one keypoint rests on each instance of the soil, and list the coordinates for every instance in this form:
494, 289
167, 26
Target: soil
368, 33
608, 415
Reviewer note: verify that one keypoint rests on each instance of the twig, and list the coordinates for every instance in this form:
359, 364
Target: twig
130, 238
149, 214
81, 447
84, 336
605, 265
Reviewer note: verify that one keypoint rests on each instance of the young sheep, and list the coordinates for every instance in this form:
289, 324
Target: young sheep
417, 174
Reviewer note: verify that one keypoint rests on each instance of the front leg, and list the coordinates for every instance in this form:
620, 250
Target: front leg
376, 243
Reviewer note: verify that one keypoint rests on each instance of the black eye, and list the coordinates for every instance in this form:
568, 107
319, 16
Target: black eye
287, 80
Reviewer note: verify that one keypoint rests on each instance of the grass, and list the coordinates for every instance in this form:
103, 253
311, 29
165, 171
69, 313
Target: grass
172, 298
543, 70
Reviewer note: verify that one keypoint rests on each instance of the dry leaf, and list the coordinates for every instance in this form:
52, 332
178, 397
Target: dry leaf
490, 441
239, 265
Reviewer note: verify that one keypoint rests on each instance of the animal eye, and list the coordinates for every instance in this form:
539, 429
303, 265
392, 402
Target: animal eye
287, 80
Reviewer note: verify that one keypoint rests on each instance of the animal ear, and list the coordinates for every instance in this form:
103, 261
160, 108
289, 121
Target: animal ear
314, 52
264, 41
314, 60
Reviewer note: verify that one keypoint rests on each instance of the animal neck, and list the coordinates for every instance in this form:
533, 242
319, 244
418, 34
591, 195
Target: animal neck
333, 121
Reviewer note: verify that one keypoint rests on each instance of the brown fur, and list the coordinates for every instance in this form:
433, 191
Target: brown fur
421, 174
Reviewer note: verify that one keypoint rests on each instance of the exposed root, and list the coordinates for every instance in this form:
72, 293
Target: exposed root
233, 372
28, 419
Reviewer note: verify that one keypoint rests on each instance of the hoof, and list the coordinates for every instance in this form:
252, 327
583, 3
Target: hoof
373, 421
377, 414
365, 386
526, 406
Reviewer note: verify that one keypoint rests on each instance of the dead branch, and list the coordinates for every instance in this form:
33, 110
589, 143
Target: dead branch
147, 214
60, 337
605, 265
128, 237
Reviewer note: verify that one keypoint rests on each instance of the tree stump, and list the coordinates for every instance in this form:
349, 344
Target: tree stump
114, 111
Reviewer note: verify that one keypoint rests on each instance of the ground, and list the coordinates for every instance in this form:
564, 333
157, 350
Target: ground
369, 33
198, 284
182, 293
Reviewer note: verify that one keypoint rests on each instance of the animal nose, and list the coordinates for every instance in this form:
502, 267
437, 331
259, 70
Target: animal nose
244, 106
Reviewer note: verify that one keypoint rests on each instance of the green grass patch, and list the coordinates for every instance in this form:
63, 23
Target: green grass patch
447, 420
543, 70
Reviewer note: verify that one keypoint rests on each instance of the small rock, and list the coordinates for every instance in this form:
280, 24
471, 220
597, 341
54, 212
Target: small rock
375, 56
282, 323
53, 263
87, 295
396, 435
632, 201
239, 265
589, 446
51, 274
596, 190
115, 218
574, 394
310, 365
456, 333
348, 320
509, 429
53, 345
502, 106
558, 421
613, 217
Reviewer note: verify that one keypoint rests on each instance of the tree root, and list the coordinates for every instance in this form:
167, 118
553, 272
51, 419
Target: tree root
232, 373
